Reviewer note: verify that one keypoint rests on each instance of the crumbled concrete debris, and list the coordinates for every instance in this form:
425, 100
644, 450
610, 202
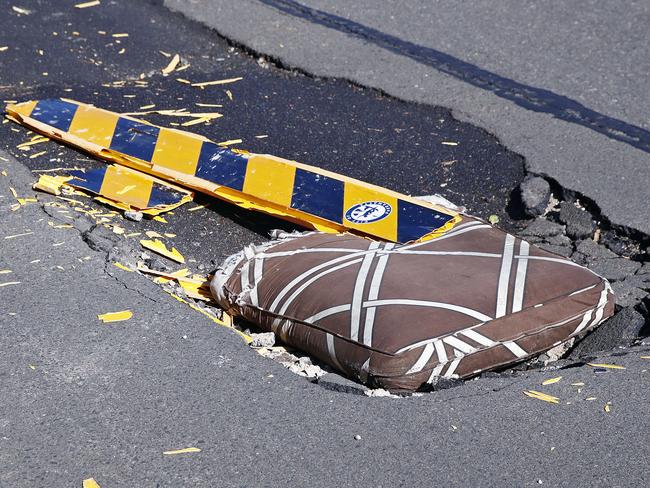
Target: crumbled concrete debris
264, 339
442, 383
615, 269
301, 366
621, 245
133, 215
100, 238
565, 251
156, 264
632, 290
336, 382
620, 330
535, 195
558, 352
549, 236
541, 228
587, 251
380, 392
579, 223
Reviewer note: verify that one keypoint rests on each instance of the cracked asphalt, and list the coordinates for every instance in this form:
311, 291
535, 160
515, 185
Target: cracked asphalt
562, 84
85, 399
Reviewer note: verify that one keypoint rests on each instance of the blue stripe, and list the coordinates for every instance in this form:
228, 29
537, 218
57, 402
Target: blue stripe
135, 139
318, 195
90, 180
414, 221
222, 166
163, 195
56, 113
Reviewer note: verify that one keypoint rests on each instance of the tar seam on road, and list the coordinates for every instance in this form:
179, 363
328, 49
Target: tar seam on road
526, 96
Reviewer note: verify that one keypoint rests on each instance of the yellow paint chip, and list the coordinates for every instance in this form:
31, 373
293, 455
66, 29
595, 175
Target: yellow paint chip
550, 381
90, 483
8, 283
230, 142
157, 246
121, 34
122, 267
152, 234
172, 65
115, 316
217, 82
183, 80
541, 396
608, 407
182, 451
194, 209
605, 365
93, 3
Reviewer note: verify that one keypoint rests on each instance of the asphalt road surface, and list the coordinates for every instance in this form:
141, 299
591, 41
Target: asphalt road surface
82, 399
564, 84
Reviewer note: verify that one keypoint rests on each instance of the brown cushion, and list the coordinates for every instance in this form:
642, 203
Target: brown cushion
399, 316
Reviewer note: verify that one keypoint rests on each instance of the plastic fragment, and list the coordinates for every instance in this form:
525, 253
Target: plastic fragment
122, 267
550, 381
92, 3
578, 384
157, 246
607, 407
605, 365
172, 65
90, 483
182, 451
9, 283
115, 316
50, 184
217, 82
163, 220
541, 396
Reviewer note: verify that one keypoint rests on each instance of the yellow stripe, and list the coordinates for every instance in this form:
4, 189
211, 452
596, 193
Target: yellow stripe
270, 179
24, 109
178, 151
127, 186
385, 228
94, 125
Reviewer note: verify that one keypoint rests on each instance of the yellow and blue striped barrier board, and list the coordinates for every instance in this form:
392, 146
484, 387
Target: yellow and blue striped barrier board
129, 188
303, 194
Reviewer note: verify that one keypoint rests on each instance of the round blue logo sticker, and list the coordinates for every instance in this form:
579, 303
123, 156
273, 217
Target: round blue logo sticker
367, 212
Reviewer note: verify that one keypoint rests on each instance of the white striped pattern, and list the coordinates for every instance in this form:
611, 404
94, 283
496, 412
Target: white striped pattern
520, 278
504, 276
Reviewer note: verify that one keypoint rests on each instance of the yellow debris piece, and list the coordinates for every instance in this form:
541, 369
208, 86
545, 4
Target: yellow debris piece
182, 451
158, 218
645, 357
50, 184
607, 407
90, 482
172, 65
550, 381
217, 82
115, 316
93, 3
5, 271
9, 283
157, 246
580, 383
230, 142
194, 209
541, 396
122, 267
605, 365
152, 234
